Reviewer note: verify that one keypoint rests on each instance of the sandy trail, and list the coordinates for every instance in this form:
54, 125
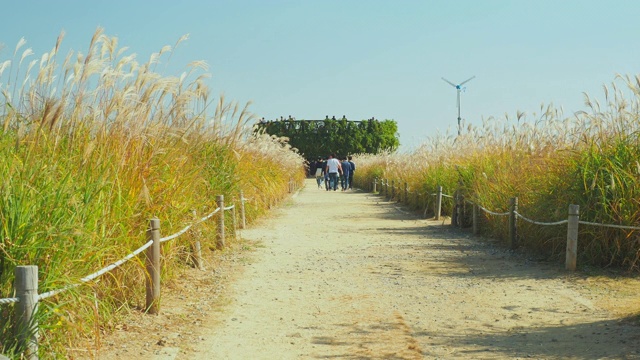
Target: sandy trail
350, 276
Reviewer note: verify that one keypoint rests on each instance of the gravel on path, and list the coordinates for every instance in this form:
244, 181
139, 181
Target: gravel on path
346, 275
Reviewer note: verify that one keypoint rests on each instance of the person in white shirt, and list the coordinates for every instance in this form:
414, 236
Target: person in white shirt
333, 168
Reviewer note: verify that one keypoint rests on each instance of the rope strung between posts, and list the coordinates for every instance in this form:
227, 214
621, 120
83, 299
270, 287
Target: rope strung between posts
207, 217
9, 301
118, 263
489, 211
561, 222
97, 273
125, 259
171, 237
610, 225
493, 213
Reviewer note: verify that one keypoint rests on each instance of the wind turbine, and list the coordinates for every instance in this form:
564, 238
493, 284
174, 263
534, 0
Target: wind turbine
458, 87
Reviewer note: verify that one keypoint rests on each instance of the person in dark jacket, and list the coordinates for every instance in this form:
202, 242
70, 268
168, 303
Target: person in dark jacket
344, 176
353, 170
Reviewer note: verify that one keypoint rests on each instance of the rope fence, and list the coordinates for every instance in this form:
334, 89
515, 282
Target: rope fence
624, 227
171, 237
97, 273
126, 258
572, 222
26, 283
9, 301
561, 222
493, 213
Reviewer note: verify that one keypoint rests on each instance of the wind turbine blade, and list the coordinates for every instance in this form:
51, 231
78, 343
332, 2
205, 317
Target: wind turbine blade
452, 84
458, 103
466, 81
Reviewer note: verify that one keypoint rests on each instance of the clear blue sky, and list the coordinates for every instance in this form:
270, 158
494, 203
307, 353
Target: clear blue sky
363, 58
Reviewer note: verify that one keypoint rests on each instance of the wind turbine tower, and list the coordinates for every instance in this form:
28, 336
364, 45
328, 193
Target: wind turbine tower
458, 88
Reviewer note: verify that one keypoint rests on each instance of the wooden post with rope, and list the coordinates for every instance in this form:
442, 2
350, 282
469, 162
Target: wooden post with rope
243, 219
572, 237
513, 223
438, 203
26, 278
153, 268
220, 235
197, 249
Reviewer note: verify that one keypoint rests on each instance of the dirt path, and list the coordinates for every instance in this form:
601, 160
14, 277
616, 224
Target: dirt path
346, 275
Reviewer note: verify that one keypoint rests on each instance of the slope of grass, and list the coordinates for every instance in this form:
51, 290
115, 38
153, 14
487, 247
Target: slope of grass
95, 146
548, 162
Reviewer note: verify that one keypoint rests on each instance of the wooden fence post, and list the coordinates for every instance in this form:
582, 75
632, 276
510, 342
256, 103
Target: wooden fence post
153, 267
220, 237
572, 237
476, 219
197, 249
234, 222
243, 219
438, 203
513, 223
26, 278
375, 185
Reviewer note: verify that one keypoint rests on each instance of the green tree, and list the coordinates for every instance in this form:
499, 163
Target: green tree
318, 138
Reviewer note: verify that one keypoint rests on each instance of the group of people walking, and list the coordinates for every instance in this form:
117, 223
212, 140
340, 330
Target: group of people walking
333, 171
